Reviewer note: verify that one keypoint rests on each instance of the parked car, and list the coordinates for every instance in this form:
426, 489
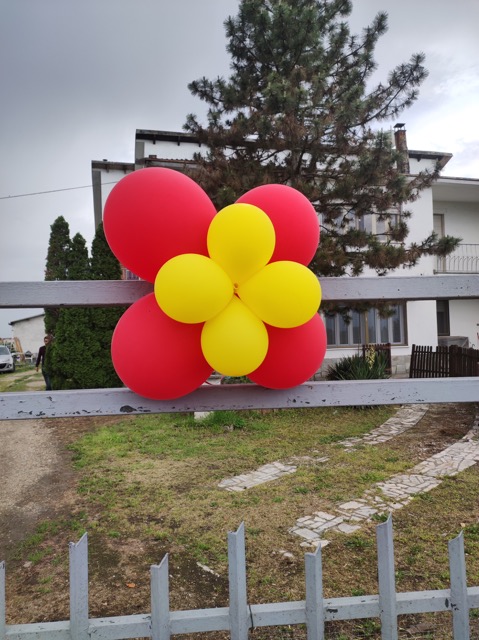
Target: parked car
7, 362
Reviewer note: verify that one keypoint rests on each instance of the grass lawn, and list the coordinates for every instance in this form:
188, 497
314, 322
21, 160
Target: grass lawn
149, 485
25, 378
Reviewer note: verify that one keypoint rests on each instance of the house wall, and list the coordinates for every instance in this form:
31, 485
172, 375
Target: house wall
30, 332
422, 323
104, 179
421, 225
461, 220
418, 163
464, 320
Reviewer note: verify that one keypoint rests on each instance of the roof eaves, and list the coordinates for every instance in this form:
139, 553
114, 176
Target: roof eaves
442, 158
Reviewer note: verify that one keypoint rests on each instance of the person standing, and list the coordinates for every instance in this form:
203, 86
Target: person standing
42, 352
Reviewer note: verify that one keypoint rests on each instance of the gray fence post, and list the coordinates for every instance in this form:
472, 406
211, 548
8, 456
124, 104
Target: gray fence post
459, 603
238, 606
160, 601
79, 589
314, 595
386, 579
3, 626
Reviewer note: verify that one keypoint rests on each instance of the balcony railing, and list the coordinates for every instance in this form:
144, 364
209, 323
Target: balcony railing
465, 259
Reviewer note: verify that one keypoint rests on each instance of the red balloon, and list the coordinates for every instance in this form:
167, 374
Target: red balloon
294, 218
154, 214
156, 356
294, 355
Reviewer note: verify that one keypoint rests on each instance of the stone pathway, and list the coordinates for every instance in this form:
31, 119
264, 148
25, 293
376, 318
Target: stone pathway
266, 473
397, 492
405, 418
394, 494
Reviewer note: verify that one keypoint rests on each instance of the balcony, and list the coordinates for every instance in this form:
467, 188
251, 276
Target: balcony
465, 259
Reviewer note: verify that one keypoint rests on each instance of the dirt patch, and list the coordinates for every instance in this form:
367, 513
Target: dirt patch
440, 427
38, 481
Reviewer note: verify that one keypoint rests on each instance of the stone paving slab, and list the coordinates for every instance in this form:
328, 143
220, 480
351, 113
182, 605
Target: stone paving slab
405, 418
396, 492
266, 473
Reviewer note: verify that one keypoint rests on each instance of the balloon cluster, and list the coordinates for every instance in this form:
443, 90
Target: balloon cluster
232, 291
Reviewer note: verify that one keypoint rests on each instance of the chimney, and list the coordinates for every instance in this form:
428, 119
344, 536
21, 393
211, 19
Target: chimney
401, 146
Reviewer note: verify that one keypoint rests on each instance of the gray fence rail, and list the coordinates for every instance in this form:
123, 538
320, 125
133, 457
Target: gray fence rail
87, 293
208, 397
239, 617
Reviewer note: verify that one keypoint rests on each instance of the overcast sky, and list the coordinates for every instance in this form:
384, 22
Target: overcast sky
79, 77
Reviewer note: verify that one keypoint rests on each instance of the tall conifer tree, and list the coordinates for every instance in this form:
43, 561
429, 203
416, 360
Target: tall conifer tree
74, 353
300, 108
104, 266
57, 264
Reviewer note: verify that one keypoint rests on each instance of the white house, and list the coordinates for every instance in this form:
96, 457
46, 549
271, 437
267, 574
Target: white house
449, 207
28, 333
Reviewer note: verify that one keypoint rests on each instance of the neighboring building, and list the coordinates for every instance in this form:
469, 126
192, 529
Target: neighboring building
29, 333
449, 207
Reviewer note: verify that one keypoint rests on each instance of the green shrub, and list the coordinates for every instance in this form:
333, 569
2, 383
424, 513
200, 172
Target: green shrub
372, 367
234, 380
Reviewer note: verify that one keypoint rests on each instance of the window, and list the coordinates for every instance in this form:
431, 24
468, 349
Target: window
379, 226
366, 327
369, 222
126, 274
442, 311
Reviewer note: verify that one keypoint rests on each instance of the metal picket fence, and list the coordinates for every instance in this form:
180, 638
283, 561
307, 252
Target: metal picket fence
240, 616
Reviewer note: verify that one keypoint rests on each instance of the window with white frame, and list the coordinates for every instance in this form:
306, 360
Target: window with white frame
376, 224
369, 222
366, 327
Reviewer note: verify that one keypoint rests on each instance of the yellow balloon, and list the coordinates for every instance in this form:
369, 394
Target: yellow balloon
241, 239
234, 342
283, 294
191, 288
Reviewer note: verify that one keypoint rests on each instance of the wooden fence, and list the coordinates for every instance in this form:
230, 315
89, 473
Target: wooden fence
239, 616
444, 362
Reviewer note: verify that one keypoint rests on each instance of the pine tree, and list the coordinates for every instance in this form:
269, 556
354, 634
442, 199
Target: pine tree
74, 352
299, 109
57, 264
104, 266
79, 262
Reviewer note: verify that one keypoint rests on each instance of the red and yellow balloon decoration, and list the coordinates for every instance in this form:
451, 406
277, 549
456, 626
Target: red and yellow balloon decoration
232, 292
